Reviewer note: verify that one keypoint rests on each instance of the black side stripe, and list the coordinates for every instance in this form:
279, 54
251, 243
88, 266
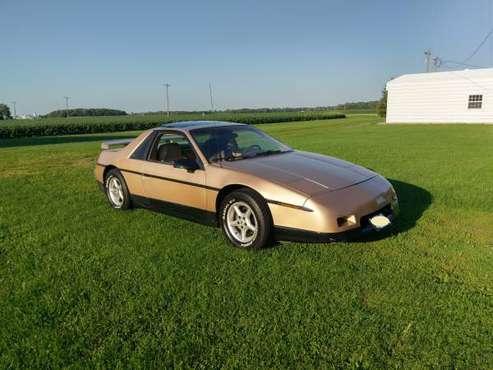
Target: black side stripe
172, 180
282, 204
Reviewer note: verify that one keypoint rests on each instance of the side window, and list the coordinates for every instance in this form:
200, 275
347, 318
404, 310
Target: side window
169, 147
143, 148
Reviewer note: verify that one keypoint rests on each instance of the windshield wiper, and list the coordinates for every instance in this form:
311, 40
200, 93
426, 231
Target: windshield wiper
232, 157
239, 156
270, 152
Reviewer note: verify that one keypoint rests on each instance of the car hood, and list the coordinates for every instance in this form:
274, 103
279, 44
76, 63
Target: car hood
304, 172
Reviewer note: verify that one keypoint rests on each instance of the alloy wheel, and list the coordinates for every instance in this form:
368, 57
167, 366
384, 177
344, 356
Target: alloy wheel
241, 222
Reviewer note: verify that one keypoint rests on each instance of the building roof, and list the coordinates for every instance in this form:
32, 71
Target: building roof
187, 125
468, 74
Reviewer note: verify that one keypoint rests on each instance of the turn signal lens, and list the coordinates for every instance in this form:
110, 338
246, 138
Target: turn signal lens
349, 220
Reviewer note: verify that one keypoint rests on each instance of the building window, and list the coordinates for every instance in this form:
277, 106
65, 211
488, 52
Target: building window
475, 101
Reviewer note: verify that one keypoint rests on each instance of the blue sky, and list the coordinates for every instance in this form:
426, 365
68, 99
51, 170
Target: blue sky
256, 53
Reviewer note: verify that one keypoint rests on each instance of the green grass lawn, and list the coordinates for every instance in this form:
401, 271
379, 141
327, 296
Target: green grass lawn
82, 285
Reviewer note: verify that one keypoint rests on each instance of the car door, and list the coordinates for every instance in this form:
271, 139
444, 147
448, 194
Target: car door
131, 168
168, 186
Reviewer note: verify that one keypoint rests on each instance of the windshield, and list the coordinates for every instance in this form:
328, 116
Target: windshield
232, 143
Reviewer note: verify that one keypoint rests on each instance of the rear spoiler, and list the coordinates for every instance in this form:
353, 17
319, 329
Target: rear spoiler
105, 145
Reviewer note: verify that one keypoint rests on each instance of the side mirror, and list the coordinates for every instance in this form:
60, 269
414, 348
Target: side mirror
186, 164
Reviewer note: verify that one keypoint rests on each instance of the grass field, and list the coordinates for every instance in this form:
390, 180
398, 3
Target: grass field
83, 285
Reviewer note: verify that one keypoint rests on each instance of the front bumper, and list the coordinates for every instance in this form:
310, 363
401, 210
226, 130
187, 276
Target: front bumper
364, 230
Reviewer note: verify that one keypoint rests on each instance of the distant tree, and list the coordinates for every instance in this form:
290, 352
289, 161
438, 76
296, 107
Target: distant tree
355, 106
85, 112
4, 112
362, 105
382, 105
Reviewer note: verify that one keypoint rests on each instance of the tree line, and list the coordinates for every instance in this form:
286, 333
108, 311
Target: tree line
362, 105
86, 112
5, 112
380, 106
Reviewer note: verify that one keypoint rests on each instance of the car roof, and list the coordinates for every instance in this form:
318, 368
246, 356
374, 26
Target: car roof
188, 125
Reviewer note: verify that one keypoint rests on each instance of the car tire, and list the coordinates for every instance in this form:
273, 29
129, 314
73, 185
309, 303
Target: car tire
116, 190
245, 219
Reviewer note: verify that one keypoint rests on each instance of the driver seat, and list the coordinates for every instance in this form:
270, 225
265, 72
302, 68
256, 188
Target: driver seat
169, 152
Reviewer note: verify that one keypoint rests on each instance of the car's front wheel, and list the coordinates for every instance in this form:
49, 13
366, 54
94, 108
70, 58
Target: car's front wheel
245, 219
116, 190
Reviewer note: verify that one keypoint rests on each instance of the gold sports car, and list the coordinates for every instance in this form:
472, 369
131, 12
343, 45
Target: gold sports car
251, 185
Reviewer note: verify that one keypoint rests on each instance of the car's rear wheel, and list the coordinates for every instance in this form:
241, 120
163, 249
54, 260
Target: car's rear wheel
116, 190
245, 219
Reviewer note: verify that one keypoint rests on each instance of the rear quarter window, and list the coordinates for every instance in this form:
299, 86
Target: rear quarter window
144, 147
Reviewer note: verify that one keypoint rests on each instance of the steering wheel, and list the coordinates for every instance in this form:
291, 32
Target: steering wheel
252, 148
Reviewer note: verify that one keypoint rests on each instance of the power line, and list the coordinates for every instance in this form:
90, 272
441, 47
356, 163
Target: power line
461, 64
479, 46
434, 63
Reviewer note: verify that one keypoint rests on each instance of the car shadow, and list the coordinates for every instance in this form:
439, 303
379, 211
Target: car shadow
413, 202
50, 140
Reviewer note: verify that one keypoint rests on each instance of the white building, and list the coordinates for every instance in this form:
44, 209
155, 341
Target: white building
27, 116
441, 97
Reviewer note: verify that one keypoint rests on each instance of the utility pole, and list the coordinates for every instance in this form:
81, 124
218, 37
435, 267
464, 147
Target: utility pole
212, 99
15, 112
67, 98
437, 62
166, 86
428, 60
490, 19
